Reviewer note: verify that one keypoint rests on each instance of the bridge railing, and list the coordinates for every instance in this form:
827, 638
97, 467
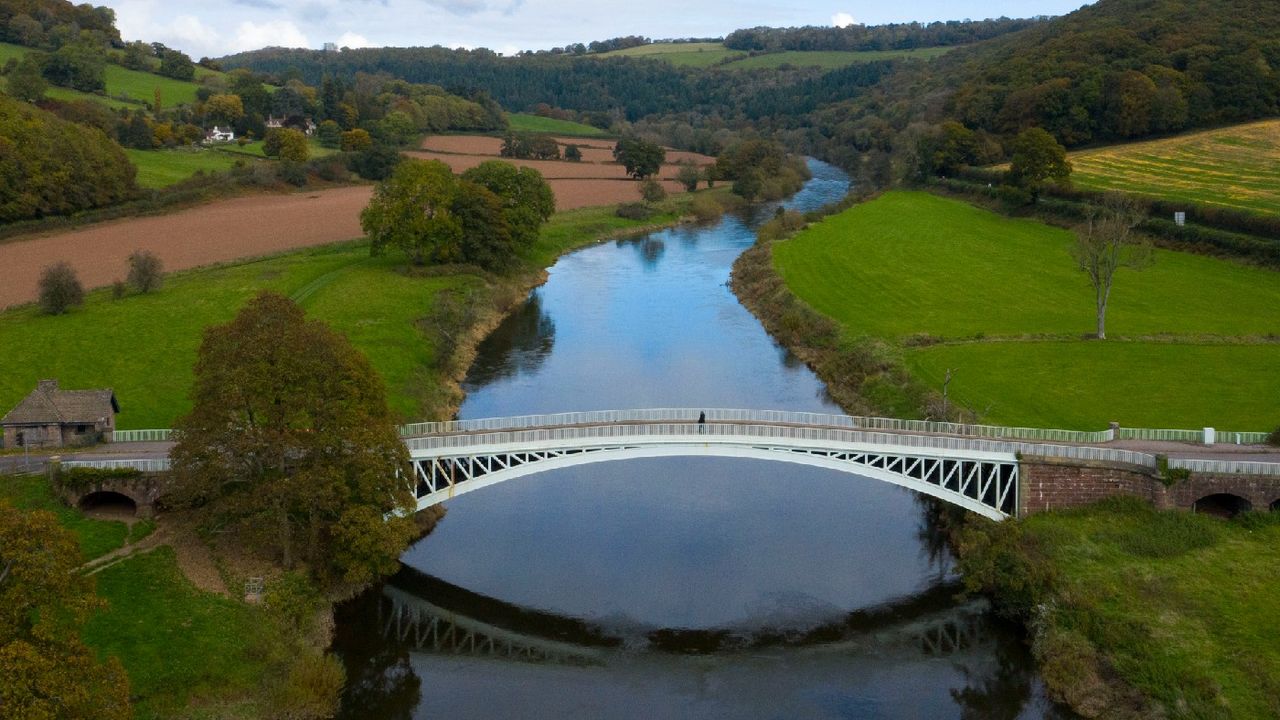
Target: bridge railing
1226, 467
727, 415
738, 432
149, 465
151, 435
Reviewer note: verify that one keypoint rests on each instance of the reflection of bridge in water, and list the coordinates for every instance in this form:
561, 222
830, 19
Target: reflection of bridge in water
928, 625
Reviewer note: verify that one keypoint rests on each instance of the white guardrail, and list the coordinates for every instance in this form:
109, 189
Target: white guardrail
151, 465
782, 417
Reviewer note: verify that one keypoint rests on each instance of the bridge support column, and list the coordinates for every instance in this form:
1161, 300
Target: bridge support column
1058, 484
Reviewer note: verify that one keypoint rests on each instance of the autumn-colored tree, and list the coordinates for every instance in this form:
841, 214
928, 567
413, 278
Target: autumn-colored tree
224, 109
355, 140
48, 671
291, 446
688, 175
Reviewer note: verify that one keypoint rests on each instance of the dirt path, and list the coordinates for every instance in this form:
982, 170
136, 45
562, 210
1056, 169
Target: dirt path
204, 235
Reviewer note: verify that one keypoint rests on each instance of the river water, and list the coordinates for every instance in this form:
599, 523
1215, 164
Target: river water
674, 587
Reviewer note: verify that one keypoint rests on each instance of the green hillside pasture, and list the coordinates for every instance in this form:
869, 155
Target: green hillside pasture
1085, 385
131, 85
682, 54
911, 263
524, 122
709, 54
162, 168
141, 86
830, 60
1236, 167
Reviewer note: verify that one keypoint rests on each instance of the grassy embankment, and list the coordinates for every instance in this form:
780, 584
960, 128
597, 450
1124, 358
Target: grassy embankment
524, 122
191, 653
123, 86
1236, 167
1000, 301
708, 54
1177, 606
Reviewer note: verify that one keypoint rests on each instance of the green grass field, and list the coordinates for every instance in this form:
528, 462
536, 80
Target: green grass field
1236, 167
177, 643
995, 289
32, 492
133, 85
254, 149
144, 346
1180, 604
161, 168
524, 122
708, 54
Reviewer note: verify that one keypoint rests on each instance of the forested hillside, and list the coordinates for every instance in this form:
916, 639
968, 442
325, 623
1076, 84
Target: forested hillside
1118, 69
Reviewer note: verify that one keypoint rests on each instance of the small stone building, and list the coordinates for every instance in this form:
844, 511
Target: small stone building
50, 417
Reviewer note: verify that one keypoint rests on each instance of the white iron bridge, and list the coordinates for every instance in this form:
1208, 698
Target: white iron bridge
451, 459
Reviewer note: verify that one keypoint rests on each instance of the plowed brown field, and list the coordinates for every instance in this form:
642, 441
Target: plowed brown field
246, 227
212, 233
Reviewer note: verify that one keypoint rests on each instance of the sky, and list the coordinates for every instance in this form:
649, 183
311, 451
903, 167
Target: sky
222, 27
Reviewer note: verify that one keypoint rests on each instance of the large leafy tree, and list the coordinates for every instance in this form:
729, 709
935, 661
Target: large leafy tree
291, 446
1037, 159
48, 672
640, 157
527, 199
413, 210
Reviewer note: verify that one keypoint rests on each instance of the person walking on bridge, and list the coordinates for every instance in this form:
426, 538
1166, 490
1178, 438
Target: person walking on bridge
702, 422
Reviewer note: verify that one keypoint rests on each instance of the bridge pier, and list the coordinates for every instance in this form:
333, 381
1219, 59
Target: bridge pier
1047, 483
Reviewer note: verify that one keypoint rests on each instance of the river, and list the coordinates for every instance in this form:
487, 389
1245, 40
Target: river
674, 588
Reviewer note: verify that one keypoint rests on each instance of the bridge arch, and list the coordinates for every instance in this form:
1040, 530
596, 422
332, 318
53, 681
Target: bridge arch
980, 479
108, 499
1225, 505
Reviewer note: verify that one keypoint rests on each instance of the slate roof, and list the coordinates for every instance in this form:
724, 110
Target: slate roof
48, 404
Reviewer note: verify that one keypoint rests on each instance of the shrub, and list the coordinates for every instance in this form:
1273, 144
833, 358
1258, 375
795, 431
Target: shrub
1004, 561
705, 208
376, 163
1274, 438
145, 271
312, 689
60, 289
689, 176
572, 153
119, 289
292, 172
634, 211
652, 191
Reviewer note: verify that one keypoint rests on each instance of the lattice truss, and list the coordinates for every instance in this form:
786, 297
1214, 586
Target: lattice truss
423, 628
990, 483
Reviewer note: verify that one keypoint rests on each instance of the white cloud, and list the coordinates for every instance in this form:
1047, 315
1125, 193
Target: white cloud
252, 36
842, 19
353, 40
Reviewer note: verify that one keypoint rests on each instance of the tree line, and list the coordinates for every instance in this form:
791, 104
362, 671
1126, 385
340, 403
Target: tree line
893, 36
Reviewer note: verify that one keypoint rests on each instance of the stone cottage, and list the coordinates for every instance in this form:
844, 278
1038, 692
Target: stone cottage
50, 417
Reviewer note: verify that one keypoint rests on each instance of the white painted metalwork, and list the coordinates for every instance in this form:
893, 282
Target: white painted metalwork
144, 465
1226, 467
152, 435
979, 475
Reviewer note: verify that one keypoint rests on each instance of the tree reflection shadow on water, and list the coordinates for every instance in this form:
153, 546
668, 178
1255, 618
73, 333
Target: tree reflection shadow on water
520, 344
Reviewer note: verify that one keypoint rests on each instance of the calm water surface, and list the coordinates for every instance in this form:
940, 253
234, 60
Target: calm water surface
673, 588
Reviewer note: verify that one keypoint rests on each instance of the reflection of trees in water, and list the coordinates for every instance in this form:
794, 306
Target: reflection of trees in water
937, 519
1001, 689
520, 344
380, 681
650, 248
